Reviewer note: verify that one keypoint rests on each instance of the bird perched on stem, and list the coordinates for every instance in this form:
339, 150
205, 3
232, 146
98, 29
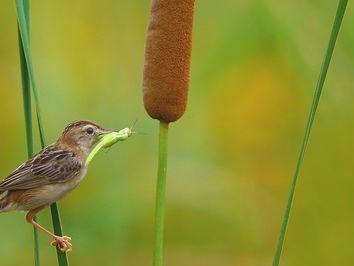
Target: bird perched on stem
51, 174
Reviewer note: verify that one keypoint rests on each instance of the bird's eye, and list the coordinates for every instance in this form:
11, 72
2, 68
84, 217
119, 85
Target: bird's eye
89, 130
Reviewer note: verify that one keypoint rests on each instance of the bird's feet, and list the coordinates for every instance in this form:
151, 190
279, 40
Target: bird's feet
63, 242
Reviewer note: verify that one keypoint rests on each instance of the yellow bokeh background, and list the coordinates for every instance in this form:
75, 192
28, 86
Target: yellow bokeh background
231, 156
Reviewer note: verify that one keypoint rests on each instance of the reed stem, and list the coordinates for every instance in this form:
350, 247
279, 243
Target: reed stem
321, 79
23, 24
27, 106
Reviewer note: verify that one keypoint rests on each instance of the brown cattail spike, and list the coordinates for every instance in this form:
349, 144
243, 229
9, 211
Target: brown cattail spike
167, 59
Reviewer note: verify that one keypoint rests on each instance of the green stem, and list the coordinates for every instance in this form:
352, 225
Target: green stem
26, 92
26, 89
24, 41
322, 76
54, 210
160, 194
24, 32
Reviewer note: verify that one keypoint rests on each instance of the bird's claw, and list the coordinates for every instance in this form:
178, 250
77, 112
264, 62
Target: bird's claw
63, 242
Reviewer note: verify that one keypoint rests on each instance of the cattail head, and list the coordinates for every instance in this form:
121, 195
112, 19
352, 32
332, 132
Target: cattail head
167, 59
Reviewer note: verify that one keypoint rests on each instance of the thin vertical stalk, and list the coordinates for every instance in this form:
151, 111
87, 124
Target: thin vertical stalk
160, 194
321, 79
26, 88
27, 106
54, 210
24, 34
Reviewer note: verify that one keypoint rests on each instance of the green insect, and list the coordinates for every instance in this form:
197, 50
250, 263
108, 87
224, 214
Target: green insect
108, 140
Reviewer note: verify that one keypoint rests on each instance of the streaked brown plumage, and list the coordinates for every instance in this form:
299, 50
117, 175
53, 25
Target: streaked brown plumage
51, 174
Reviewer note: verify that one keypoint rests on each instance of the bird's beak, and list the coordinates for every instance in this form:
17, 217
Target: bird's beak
105, 132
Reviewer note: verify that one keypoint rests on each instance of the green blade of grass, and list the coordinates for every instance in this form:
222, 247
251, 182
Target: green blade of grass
26, 88
160, 194
24, 34
316, 98
26, 93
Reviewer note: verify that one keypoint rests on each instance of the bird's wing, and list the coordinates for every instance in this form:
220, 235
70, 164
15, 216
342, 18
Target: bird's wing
49, 166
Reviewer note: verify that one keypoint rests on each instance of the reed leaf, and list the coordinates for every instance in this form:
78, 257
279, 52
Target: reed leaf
22, 8
27, 106
316, 98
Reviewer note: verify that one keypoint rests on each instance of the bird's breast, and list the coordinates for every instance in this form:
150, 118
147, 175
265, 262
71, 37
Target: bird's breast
73, 182
60, 189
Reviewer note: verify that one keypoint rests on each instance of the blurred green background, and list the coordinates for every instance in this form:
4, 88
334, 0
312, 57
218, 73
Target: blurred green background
232, 155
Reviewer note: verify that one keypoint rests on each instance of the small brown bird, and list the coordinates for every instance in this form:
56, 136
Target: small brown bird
51, 174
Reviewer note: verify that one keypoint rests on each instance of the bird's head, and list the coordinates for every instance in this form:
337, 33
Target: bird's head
81, 135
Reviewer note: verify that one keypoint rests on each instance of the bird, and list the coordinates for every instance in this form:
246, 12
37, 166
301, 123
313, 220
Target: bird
51, 174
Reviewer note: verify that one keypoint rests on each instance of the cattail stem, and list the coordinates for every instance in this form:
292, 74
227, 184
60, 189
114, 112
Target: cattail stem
321, 79
166, 83
160, 194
